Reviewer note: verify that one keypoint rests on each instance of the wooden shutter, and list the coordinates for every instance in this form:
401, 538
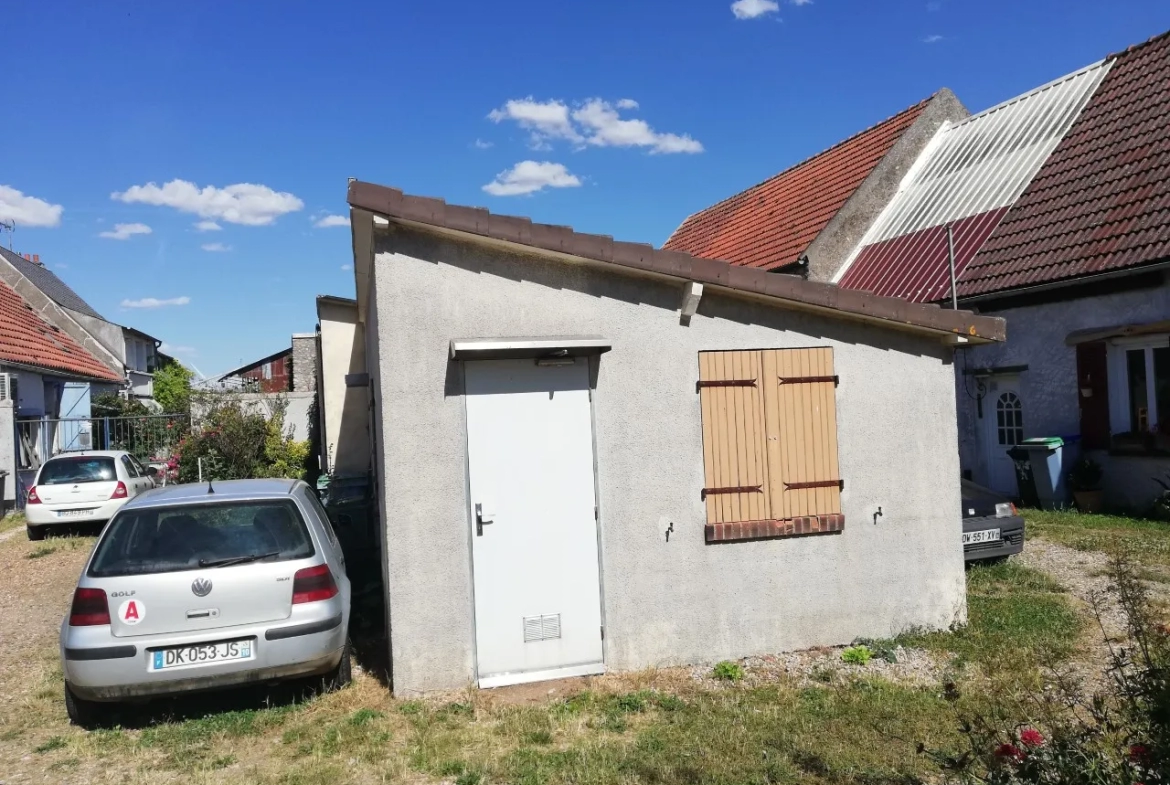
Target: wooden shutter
802, 409
1093, 377
734, 454
770, 443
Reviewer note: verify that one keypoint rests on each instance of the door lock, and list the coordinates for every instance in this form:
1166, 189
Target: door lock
482, 519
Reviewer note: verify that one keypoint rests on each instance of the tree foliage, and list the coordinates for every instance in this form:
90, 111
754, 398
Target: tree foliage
233, 442
172, 388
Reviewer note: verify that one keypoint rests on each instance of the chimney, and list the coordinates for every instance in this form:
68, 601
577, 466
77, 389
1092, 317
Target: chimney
26, 257
36, 258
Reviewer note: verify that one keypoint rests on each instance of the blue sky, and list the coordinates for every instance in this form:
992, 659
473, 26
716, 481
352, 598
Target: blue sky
447, 99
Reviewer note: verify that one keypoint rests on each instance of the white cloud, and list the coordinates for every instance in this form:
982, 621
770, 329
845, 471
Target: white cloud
347, 267
932, 39
751, 9
207, 226
22, 210
546, 120
529, 177
605, 128
243, 203
125, 231
802, 2
166, 348
216, 247
326, 221
480, 144
154, 302
594, 122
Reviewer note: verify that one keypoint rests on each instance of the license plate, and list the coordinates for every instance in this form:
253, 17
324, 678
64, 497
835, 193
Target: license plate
75, 513
203, 654
987, 535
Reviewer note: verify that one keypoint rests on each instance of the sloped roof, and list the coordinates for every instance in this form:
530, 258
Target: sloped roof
786, 290
27, 339
970, 175
1101, 202
771, 224
53, 287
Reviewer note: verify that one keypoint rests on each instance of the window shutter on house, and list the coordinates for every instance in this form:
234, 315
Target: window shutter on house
770, 443
1093, 378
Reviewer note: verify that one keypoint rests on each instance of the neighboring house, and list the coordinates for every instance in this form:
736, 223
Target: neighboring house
594, 455
37, 361
1056, 205
342, 399
131, 353
288, 377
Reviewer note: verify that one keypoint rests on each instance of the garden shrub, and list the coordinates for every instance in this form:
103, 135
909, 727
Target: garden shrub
234, 444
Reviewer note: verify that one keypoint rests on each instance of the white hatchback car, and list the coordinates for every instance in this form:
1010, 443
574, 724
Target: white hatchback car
84, 487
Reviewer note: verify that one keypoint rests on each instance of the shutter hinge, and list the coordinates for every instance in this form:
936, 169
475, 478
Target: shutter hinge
725, 383
739, 489
836, 380
800, 486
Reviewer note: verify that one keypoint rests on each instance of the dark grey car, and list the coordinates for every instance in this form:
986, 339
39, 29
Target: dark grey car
992, 528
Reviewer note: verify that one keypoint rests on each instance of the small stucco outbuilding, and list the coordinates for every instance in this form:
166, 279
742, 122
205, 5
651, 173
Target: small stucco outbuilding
592, 455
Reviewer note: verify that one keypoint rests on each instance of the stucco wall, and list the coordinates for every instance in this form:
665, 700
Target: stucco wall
346, 439
681, 601
1048, 388
298, 407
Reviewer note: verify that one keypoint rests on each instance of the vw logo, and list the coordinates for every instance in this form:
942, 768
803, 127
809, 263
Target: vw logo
201, 587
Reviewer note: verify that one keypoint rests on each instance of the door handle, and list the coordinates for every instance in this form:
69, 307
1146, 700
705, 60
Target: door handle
482, 519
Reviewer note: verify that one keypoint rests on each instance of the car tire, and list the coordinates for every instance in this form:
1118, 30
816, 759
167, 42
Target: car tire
35, 533
83, 713
341, 675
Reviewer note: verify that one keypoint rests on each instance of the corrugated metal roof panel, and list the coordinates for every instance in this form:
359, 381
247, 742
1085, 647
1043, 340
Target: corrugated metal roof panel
974, 169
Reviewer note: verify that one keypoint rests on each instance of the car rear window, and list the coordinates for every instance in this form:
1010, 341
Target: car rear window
60, 471
195, 536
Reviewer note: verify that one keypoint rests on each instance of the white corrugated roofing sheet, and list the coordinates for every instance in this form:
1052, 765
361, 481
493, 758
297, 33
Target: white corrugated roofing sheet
985, 161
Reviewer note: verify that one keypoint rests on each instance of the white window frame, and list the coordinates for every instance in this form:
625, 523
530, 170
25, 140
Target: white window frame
1115, 357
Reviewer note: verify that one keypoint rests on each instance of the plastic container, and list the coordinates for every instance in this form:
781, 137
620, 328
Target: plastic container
1025, 478
1046, 457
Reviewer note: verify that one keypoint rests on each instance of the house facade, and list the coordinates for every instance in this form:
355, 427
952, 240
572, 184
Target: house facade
342, 382
592, 455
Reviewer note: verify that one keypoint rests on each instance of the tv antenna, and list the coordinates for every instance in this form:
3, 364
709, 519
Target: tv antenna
10, 227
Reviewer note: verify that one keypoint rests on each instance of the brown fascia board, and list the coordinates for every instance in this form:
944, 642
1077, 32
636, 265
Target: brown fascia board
644, 258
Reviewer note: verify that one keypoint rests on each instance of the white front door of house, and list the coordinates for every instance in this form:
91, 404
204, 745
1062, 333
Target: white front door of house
533, 519
1003, 428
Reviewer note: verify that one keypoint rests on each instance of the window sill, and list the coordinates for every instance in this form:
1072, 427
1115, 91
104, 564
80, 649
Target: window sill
771, 530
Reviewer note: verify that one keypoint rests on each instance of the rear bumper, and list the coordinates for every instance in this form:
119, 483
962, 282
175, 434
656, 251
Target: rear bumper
99, 667
1011, 537
48, 514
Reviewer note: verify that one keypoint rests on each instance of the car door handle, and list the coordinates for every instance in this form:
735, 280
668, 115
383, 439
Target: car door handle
482, 519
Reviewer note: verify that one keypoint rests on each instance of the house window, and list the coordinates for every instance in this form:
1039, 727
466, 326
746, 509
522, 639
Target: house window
1139, 387
267, 370
1009, 417
769, 443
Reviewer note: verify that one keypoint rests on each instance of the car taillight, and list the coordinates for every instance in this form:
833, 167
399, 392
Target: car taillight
313, 584
119, 491
32, 496
89, 608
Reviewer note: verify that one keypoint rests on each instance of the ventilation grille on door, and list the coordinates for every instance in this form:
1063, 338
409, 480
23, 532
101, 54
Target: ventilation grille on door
542, 628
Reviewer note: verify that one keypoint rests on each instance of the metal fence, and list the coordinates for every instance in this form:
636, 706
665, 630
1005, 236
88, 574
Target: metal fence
151, 438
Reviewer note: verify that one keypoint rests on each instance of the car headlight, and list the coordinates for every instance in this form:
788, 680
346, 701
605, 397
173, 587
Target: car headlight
1005, 510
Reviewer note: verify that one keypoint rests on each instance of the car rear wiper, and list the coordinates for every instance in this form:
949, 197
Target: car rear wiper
228, 562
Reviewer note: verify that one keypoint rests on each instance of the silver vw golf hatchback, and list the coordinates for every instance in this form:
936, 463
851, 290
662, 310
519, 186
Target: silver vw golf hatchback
200, 587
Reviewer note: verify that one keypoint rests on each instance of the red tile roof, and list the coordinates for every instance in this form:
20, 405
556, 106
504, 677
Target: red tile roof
771, 224
27, 339
1102, 200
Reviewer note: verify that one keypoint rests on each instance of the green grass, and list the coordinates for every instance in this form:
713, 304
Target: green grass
10, 522
41, 551
1013, 614
1148, 542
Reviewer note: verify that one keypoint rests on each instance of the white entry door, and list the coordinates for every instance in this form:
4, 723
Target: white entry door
534, 527
1003, 428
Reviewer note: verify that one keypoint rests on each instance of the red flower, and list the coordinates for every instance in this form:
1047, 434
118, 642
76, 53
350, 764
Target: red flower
1009, 752
1031, 737
1139, 753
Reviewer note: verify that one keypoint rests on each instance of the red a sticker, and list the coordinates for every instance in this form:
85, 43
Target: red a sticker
132, 612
